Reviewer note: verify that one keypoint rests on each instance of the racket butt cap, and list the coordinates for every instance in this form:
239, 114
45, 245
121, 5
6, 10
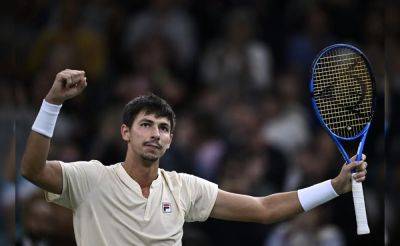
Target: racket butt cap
363, 230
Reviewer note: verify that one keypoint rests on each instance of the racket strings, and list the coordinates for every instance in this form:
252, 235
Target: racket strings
343, 91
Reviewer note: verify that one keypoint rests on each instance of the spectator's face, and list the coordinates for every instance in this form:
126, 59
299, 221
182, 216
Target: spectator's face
149, 136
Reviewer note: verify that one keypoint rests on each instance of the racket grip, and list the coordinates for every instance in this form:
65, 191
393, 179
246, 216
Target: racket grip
359, 207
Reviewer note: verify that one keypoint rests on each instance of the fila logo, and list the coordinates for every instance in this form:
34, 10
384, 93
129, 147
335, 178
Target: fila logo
166, 207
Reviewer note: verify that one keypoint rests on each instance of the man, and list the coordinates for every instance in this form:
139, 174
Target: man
137, 203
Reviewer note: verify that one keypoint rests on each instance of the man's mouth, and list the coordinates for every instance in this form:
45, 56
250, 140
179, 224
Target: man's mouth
154, 145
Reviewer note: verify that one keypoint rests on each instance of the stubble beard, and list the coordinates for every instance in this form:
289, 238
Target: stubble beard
149, 158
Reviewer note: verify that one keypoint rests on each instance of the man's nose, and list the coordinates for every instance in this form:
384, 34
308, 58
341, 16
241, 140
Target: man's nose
155, 134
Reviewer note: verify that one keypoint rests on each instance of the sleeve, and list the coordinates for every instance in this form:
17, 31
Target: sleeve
199, 196
79, 178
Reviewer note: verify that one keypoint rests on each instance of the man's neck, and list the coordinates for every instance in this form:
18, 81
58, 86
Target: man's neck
143, 173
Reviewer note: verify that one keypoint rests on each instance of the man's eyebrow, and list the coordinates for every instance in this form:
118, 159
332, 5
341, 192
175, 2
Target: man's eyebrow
151, 121
146, 120
165, 124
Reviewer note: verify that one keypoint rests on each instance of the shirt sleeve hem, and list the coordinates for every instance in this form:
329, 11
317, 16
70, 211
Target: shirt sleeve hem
52, 197
212, 203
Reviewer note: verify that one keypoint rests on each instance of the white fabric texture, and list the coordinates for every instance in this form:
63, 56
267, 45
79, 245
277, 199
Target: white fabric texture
316, 195
109, 208
46, 119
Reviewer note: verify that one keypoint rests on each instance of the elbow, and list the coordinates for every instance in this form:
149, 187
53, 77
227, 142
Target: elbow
270, 218
267, 216
267, 219
28, 175
25, 172
274, 211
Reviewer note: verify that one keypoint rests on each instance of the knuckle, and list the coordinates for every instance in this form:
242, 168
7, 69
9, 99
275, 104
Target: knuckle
60, 74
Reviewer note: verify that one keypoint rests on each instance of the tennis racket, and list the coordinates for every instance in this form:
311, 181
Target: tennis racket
343, 96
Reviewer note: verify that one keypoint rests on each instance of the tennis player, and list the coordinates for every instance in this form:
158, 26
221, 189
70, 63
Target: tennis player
137, 203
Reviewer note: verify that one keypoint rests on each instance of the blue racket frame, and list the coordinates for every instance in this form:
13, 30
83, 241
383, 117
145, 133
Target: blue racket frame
336, 138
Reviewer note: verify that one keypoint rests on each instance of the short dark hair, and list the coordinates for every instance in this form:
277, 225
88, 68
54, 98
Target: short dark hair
151, 104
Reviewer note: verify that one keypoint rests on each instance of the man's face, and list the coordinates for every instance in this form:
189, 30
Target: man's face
149, 136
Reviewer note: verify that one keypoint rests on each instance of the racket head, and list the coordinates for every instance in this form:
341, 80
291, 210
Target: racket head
342, 88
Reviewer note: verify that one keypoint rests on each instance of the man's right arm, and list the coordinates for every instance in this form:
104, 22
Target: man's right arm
35, 168
34, 164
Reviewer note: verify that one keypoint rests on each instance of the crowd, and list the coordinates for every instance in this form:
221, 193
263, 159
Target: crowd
236, 73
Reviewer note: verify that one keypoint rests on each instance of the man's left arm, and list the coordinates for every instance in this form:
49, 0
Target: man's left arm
269, 209
281, 206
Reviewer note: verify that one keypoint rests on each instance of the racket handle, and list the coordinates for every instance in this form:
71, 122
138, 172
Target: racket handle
359, 207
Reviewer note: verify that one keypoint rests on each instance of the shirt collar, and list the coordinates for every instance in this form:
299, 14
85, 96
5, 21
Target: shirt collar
131, 183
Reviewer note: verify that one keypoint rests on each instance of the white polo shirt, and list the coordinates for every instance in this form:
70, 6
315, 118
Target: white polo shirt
109, 208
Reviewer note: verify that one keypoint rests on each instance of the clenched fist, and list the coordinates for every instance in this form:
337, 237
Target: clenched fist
68, 84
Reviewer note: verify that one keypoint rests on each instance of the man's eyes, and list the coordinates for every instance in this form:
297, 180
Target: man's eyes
145, 124
163, 128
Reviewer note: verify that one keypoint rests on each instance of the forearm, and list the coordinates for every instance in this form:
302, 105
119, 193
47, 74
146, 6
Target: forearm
38, 144
266, 210
34, 165
280, 206
35, 155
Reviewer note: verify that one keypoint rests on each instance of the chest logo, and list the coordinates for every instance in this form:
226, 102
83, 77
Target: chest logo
166, 207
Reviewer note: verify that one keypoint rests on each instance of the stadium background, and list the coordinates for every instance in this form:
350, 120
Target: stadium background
236, 73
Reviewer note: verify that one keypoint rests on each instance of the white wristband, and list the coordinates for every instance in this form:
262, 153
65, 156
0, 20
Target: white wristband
46, 119
316, 195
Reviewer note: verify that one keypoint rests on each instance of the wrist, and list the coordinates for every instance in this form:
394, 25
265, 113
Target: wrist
336, 186
316, 195
46, 119
53, 100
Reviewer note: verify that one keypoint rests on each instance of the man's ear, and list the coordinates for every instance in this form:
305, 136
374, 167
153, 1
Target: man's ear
125, 133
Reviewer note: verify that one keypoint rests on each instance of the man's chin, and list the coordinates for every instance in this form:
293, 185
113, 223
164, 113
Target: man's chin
150, 158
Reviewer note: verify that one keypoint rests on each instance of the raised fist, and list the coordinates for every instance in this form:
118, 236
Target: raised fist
67, 84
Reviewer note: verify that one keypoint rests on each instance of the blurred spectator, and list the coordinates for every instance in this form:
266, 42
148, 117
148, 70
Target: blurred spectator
169, 20
45, 223
102, 16
309, 228
7, 189
238, 60
152, 70
245, 174
210, 147
305, 43
186, 139
71, 42
285, 118
314, 162
241, 123
109, 146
